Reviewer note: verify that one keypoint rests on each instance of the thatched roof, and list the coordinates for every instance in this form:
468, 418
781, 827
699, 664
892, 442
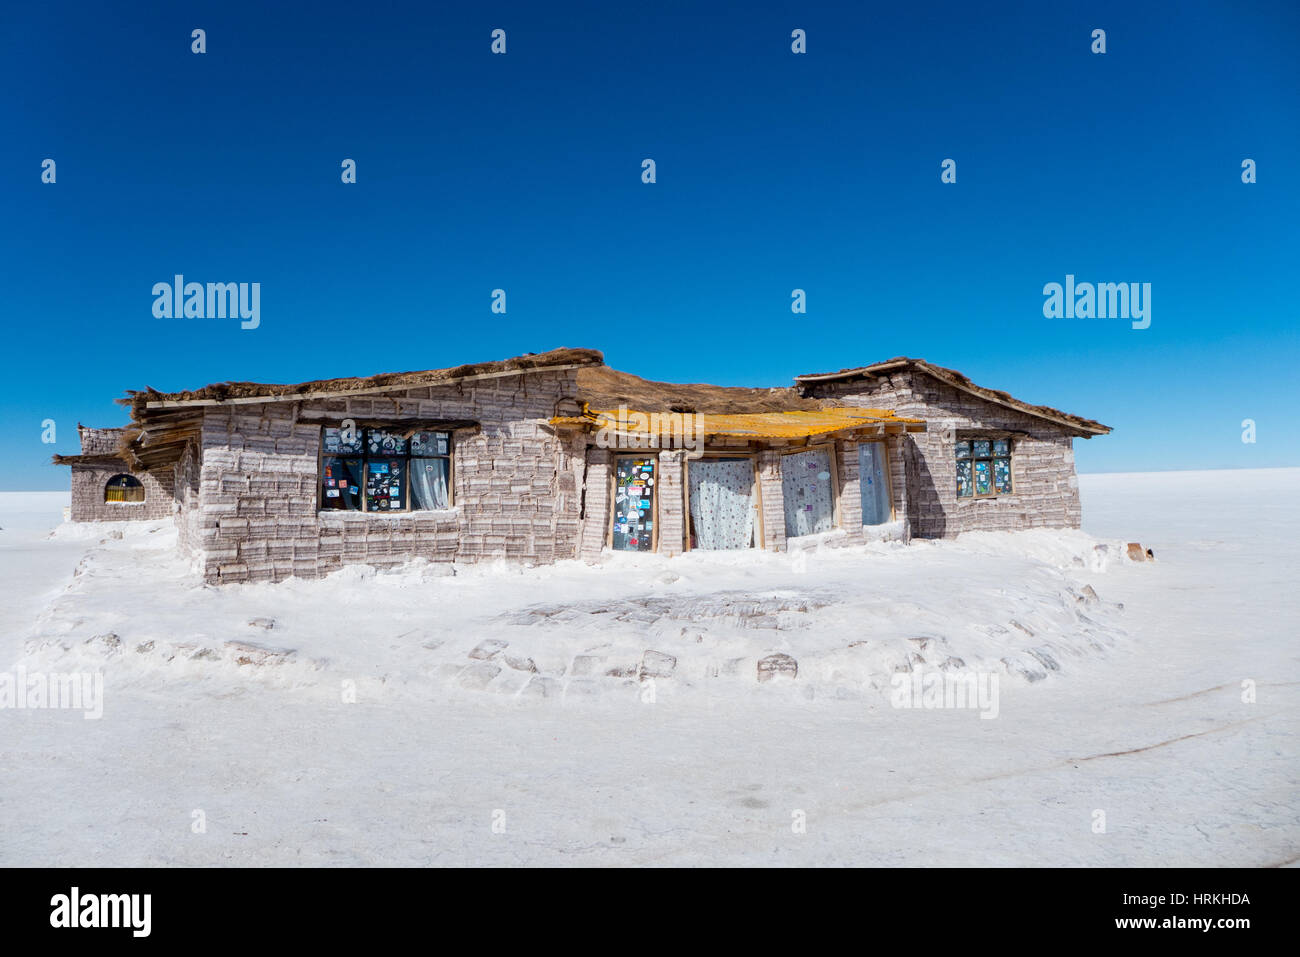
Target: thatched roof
162, 423
258, 391
107, 461
605, 388
1083, 427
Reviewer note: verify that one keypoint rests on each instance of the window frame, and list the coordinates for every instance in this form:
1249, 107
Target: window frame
365, 458
759, 534
889, 479
125, 501
970, 438
834, 468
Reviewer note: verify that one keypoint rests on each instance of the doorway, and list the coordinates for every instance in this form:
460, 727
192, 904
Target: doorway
720, 492
874, 483
635, 504
807, 487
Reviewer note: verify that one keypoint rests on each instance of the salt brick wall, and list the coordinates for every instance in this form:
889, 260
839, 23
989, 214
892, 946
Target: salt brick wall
514, 489
773, 500
1045, 487
88, 505
896, 457
185, 480
89, 478
99, 441
596, 503
849, 488
670, 503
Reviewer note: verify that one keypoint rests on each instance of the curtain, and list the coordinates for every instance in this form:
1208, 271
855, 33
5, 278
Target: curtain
875, 491
721, 494
429, 483
341, 483
806, 489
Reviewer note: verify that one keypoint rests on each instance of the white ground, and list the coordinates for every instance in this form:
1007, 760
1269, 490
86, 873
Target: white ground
1124, 698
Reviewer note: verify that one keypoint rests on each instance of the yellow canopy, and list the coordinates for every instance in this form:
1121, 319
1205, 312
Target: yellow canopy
762, 425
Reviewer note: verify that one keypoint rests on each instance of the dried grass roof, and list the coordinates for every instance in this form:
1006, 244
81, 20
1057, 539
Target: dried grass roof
605, 388
163, 422
226, 391
106, 460
1085, 427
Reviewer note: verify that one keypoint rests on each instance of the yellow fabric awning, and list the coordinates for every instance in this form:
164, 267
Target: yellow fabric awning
759, 425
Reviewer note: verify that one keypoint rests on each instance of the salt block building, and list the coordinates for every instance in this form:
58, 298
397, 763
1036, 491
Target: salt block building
557, 456
985, 461
104, 486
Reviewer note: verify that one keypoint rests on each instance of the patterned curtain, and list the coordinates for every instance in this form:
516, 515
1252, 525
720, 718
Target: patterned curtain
721, 492
806, 488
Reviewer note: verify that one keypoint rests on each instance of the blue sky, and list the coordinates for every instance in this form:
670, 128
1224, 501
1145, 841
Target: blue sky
775, 171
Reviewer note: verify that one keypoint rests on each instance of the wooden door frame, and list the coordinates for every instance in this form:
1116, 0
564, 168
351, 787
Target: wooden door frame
613, 493
883, 442
756, 494
837, 518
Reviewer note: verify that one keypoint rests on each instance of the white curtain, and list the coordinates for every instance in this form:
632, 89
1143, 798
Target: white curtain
429, 483
721, 493
806, 488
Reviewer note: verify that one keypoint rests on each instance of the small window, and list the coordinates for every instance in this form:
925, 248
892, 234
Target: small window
343, 441
379, 442
123, 489
983, 468
376, 470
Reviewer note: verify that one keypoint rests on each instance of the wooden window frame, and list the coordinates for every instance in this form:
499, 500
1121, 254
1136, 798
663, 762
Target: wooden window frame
836, 489
760, 537
365, 457
144, 494
971, 439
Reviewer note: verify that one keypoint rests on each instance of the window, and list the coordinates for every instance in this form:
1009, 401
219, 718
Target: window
123, 489
374, 470
983, 468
